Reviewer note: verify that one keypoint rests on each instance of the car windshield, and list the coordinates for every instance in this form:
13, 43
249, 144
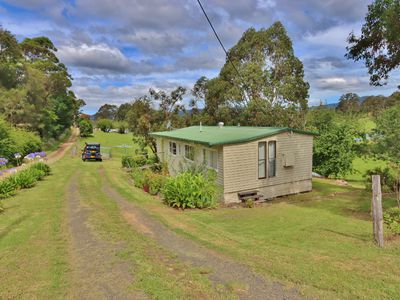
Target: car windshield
92, 147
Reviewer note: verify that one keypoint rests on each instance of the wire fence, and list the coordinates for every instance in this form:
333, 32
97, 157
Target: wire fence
108, 152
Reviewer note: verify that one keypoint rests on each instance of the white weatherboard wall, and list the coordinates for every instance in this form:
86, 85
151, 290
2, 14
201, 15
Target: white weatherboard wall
238, 165
178, 162
241, 167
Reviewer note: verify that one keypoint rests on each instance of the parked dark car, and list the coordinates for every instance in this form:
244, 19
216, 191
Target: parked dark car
91, 152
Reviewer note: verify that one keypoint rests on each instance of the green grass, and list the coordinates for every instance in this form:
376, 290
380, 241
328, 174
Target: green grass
362, 165
114, 140
34, 258
157, 272
319, 242
33, 239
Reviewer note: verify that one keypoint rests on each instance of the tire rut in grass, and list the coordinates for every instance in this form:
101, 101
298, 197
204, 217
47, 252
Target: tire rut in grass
221, 270
97, 272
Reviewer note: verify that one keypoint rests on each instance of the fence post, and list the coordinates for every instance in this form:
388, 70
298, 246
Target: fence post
377, 209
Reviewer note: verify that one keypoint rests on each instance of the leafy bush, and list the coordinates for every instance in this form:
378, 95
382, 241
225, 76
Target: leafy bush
333, 152
7, 187
121, 126
133, 162
388, 180
156, 183
391, 217
23, 179
127, 162
42, 167
138, 178
25, 142
14, 140
105, 125
85, 128
188, 190
249, 203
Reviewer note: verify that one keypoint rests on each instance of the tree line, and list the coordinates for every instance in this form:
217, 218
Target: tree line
35, 86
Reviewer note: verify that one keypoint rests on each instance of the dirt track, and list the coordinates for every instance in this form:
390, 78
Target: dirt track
64, 147
97, 272
223, 269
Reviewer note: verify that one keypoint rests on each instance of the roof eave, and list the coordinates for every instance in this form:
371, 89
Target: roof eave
241, 141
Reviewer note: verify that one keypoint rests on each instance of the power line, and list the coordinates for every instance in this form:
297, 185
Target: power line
222, 45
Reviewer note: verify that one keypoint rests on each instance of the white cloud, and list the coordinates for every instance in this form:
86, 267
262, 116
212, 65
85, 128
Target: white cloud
99, 56
95, 95
156, 42
335, 36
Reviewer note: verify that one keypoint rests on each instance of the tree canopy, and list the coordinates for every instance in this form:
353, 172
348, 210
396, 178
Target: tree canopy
107, 111
34, 86
379, 43
262, 83
349, 102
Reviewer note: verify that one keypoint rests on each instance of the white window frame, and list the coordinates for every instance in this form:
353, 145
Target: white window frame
171, 143
185, 153
207, 161
264, 160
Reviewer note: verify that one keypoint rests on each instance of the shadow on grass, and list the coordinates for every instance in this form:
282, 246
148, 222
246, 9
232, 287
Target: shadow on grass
361, 237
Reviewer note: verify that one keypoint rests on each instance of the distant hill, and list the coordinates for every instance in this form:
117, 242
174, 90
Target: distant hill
335, 104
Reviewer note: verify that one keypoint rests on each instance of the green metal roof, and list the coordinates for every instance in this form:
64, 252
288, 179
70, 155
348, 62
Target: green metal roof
215, 135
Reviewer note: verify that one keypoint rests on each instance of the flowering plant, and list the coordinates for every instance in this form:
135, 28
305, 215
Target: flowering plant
34, 155
3, 161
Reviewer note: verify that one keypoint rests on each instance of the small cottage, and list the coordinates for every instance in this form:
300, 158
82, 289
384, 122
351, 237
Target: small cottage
251, 162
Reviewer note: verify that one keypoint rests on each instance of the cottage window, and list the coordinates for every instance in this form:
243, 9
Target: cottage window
272, 159
172, 148
210, 158
262, 160
189, 152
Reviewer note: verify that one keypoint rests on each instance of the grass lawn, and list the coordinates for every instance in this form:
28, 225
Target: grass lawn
319, 242
33, 247
361, 165
34, 237
115, 141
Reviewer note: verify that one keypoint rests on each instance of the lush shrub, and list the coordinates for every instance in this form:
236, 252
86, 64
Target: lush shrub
122, 126
333, 152
249, 203
7, 187
85, 128
138, 178
42, 167
127, 162
105, 125
391, 217
14, 141
25, 142
388, 180
156, 183
23, 179
134, 162
188, 190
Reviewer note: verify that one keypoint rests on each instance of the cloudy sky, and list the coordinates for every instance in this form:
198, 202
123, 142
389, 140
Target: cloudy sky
117, 49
